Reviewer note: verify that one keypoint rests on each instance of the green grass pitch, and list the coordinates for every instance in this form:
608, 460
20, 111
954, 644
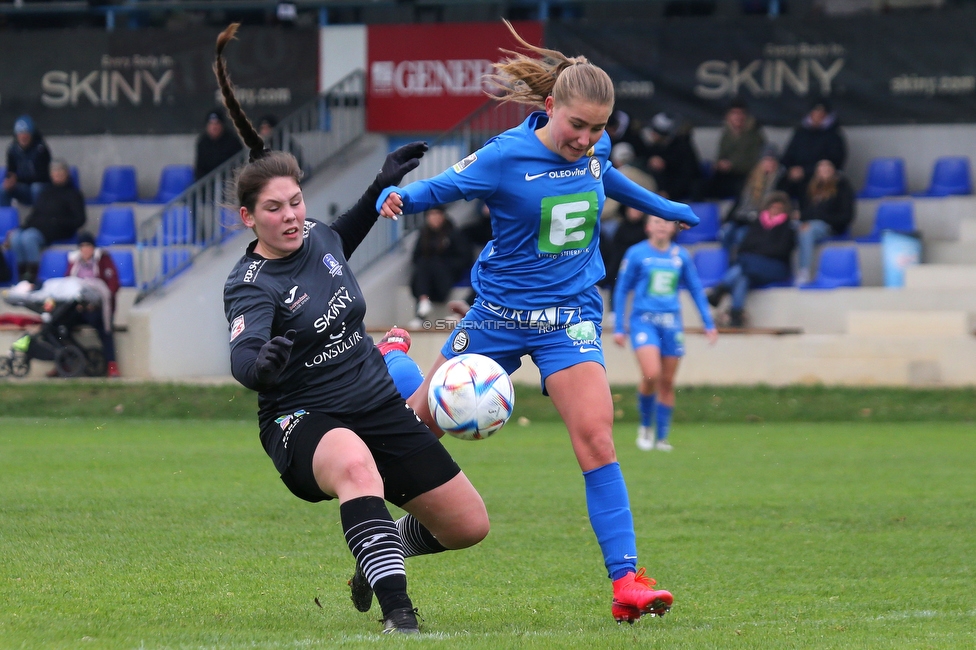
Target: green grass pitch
178, 534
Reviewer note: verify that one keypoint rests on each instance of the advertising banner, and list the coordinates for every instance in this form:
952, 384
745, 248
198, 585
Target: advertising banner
88, 81
890, 69
424, 78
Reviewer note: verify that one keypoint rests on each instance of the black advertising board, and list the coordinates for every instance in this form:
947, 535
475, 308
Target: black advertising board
889, 69
87, 81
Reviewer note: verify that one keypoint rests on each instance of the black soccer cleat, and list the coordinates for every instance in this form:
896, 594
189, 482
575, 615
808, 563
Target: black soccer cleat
401, 621
360, 591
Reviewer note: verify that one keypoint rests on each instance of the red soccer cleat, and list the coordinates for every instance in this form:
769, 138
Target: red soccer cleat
633, 597
395, 339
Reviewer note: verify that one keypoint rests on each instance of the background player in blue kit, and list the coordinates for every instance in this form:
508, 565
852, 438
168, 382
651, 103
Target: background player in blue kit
544, 183
655, 270
330, 416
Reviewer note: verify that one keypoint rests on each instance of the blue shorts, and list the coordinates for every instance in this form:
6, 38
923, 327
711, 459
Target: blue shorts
663, 330
556, 337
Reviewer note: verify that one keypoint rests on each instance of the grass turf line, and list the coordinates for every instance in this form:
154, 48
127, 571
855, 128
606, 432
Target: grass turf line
178, 534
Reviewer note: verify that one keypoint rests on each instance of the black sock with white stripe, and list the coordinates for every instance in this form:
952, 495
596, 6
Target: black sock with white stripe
375, 543
417, 540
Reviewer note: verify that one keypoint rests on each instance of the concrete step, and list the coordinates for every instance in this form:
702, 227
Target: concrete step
941, 252
886, 323
941, 276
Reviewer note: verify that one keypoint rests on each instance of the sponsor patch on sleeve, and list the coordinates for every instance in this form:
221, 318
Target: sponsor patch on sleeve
464, 164
237, 327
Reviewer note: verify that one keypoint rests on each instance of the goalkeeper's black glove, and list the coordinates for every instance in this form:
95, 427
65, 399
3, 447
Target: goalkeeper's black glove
399, 163
273, 357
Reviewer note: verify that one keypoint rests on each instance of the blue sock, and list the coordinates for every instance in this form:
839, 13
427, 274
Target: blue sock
405, 372
663, 421
610, 517
645, 404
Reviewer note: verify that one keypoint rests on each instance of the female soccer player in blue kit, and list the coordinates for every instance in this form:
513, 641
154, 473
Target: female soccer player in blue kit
544, 183
654, 270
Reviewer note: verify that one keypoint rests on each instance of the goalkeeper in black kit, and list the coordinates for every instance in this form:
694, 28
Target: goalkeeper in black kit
330, 417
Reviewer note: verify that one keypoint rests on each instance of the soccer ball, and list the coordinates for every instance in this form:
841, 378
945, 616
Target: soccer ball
471, 397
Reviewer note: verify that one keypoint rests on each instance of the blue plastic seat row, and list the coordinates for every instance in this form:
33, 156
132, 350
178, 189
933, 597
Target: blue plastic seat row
119, 184
886, 177
838, 267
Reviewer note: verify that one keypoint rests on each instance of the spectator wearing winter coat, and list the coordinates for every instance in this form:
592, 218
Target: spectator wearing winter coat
440, 258
764, 256
215, 145
672, 159
58, 214
826, 210
766, 176
28, 164
739, 149
96, 266
817, 138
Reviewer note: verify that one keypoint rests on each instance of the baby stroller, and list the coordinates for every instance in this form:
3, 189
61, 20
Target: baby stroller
60, 302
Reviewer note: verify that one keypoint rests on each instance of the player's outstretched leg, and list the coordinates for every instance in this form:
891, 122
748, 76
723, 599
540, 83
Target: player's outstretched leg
634, 595
361, 592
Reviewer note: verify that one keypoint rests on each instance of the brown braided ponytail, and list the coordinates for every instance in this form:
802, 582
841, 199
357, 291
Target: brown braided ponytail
263, 164
529, 80
243, 125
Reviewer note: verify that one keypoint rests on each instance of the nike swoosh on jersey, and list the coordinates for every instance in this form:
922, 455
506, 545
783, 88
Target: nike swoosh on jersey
588, 349
532, 177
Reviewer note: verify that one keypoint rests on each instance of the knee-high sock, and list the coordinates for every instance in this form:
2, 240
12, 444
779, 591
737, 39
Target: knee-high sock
646, 404
611, 519
663, 420
405, 372
417, 540
375, 543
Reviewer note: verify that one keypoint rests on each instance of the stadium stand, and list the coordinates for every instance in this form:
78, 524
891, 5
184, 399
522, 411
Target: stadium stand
838, 267
950, 176
711, 264
885, 177
118, 185
173, 180
891, 215
125, 266
9, 219
117, 226
706, 230
54, 264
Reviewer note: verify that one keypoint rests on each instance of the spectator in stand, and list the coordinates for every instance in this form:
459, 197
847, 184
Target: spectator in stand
440, 258
96, 266
624, 158
215, 145
622, 128
817, 138
266, 126
672, 159
765, 177
764, 256
826, 210
739, 149
631, 231
58, 214
28, 164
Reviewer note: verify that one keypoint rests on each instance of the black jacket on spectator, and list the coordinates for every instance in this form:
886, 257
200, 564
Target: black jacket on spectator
838, 210
811, 145
58, 213
681, 177
776, 242
212, 153
31, 165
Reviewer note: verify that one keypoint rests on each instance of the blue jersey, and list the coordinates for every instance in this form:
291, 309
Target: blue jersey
544, 214
655, 276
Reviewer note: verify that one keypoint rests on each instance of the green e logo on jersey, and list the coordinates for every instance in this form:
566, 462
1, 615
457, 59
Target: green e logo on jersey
567, 222
663, 283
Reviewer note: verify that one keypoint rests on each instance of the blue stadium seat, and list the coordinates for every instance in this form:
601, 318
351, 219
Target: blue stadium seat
886, 177
118, 185
67, 241
175, 261
950, 176
711, 264
891, 215
707, 228
118, 226
3, 172
177, 226
9, 219
173, 180
125, 265
838, 267
54, 264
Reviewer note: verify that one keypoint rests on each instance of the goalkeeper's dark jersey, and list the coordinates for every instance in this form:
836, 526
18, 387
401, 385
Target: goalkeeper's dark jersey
333, 365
